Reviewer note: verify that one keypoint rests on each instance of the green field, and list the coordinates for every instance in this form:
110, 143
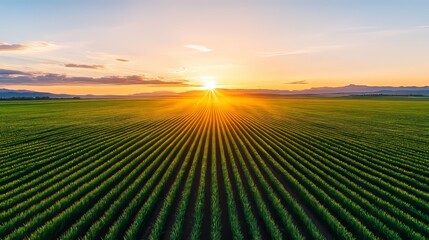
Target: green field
199, 168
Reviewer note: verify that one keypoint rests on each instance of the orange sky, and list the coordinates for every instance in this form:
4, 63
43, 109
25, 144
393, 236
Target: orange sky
131, 47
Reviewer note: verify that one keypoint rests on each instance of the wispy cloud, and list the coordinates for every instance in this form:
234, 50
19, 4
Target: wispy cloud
380, 31
106, 57
368, 31
200, 48
72, 65
9, 47
122, 60
298, 82
422, 27
356, 29
308, 50
11, 72
180, 70
15, 77
12, 47
286, 53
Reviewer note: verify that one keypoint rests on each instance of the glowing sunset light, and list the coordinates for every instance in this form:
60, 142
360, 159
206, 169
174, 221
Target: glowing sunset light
279, 45
214, 119
209, 85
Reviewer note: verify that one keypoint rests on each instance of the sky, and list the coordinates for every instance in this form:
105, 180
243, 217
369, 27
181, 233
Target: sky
130, 46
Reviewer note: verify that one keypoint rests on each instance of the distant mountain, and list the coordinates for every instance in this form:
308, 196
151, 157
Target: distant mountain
350, 89
6, 93
346, 90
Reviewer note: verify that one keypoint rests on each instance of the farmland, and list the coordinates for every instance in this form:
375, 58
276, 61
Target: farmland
217, 167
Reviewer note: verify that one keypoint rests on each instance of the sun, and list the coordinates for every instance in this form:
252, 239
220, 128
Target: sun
209, 85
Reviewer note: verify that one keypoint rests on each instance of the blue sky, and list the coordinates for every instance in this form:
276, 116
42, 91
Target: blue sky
129, 46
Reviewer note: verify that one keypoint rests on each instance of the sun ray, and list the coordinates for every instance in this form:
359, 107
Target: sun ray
210, 85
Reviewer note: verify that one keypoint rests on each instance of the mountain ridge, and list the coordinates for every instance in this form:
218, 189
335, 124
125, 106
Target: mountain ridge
351, 89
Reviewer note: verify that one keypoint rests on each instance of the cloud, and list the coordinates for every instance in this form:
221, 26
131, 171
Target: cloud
355, 29
121, 60
422, 27
12, 47
180, 70
298, 82
71, 65
379, 31
285, 53
11, 72
14, 77
7, 47
200, 48
316, 49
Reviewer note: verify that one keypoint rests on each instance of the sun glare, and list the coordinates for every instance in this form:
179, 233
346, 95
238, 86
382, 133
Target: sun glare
209, 85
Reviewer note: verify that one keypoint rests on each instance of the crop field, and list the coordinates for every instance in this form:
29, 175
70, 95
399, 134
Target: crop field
215, 167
